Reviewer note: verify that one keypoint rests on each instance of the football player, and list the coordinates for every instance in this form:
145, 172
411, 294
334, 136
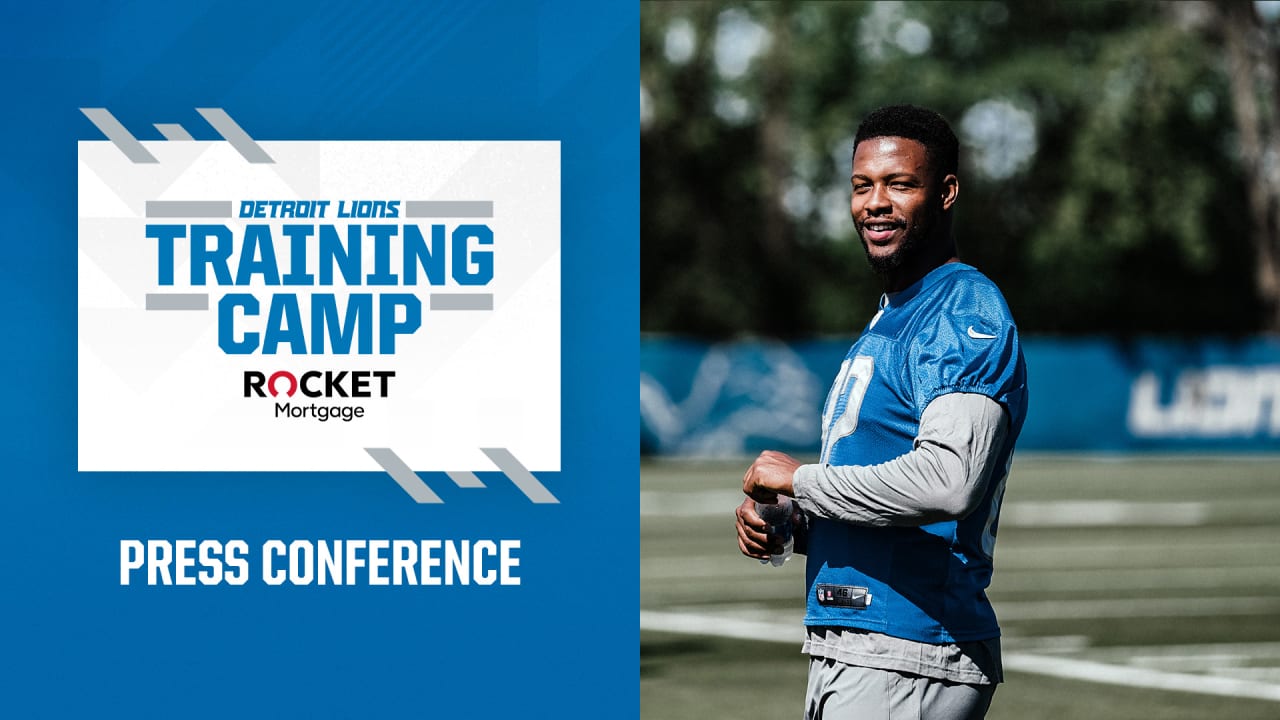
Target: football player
899, 516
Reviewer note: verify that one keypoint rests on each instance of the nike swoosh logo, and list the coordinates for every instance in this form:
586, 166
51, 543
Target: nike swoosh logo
979, 336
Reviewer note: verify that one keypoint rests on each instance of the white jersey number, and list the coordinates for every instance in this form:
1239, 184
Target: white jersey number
840, 417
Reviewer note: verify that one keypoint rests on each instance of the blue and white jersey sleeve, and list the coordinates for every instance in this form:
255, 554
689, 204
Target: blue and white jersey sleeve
968, 345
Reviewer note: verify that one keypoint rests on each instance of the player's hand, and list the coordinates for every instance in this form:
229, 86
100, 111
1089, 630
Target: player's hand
753, 539
770, 476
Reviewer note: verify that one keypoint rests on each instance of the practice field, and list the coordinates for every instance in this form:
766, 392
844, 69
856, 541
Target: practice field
1126, 588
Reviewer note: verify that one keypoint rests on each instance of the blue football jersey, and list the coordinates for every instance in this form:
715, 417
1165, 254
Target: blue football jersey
950, 332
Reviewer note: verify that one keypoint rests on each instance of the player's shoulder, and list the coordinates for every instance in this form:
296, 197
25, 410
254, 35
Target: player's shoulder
961, 311
964, 290
950, 293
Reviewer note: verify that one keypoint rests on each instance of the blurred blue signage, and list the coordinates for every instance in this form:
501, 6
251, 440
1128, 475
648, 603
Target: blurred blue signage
716, 400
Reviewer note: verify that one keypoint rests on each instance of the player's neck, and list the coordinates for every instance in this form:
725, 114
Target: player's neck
916, 267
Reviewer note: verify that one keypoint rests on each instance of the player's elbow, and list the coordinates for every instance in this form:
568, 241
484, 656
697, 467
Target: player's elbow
954, 493
956, 502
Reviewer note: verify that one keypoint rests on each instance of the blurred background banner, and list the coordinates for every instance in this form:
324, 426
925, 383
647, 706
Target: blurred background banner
706, 400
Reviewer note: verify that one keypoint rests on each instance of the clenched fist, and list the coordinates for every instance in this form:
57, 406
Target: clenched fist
770, 476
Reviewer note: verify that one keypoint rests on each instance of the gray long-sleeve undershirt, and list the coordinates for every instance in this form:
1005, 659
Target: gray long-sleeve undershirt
943, 476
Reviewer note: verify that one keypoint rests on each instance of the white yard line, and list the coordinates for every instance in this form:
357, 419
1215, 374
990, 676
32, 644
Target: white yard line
1015, 611
698, 503
1092, 513
1109, 674
1070, 668
730, 564
1235, 649
1226, 545
1180, 579
1045, 577
696, 624
1061, 513
1136, 608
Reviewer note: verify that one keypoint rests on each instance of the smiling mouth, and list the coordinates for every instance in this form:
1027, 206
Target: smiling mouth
880, 231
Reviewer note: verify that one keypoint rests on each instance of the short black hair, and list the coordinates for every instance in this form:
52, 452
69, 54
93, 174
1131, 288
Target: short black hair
915, 123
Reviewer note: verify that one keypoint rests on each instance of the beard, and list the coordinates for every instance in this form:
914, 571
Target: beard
908, 248
915, 238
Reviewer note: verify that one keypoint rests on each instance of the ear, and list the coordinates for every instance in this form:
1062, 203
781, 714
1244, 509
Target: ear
950, 189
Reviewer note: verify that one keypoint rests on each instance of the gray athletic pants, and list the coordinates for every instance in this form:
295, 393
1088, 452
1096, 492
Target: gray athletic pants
844, 692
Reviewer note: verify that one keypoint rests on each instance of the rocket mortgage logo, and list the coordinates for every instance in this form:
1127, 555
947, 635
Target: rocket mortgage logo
252, 305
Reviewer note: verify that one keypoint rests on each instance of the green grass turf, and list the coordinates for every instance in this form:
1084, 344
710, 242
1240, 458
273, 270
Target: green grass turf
1139, 575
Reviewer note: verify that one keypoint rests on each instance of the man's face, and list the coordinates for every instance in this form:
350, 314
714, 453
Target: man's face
896, 201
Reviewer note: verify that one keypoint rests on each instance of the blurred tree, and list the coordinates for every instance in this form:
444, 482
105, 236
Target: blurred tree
1255, 95
1104, 182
